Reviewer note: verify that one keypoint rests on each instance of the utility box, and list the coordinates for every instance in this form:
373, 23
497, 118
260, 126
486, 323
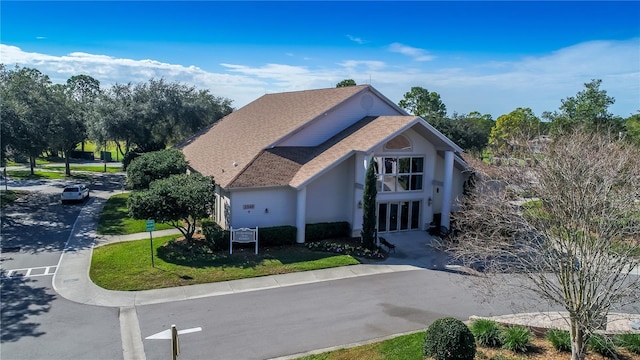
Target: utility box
105, 156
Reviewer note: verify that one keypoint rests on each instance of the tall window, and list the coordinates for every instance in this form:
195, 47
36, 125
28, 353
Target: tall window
397, 174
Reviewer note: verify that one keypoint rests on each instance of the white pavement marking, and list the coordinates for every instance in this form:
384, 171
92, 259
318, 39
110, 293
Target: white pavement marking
31, 272
132, 347
166, 334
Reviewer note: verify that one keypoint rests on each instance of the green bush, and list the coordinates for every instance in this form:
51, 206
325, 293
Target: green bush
603, 345
629, 341
560, 339
327, 230
216, 237
516, 338
277, 235
486, 332
449, 339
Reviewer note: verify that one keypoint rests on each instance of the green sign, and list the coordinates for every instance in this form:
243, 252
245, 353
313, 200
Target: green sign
151, 225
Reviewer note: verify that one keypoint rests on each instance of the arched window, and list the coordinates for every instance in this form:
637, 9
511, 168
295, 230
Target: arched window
399, 142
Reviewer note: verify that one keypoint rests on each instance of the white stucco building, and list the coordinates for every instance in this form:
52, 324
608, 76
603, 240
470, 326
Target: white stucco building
300, 158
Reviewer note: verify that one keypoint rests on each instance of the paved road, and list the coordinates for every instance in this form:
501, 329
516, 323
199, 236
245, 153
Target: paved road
36, 323
278, 322
250, 325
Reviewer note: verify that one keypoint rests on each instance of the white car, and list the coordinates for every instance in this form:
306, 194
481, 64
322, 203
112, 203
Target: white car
77, 192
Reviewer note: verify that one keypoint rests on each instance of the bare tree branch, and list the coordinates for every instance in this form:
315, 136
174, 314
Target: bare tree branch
568, 227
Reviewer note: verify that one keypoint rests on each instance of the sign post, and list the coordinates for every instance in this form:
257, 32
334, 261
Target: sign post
151, 225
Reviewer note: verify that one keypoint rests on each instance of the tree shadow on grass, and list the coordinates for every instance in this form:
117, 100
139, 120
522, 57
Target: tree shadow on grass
20, 303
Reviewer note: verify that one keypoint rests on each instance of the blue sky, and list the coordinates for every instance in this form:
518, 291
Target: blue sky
490, 57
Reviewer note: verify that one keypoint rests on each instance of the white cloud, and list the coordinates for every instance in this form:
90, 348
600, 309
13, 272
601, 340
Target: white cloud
357, 39
494, 87
416, 53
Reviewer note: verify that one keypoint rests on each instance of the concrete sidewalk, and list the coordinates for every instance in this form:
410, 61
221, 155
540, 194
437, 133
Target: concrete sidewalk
72, 281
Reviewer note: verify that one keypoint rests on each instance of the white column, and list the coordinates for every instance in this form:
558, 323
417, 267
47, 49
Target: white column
301, 214
446, 189
360, 171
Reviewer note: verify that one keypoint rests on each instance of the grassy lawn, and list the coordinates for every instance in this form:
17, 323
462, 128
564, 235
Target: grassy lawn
115, 219
42, 175
111, 147
127, 265
89, 168
404, 347
9, 196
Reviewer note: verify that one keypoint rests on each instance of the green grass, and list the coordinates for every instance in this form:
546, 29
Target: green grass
96, 149
9, 196
40, 175
115, 219
404, 347
89, 168
127, 265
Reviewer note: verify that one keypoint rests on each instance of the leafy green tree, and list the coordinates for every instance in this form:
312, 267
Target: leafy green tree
346, 82
25, 110
512, 131
71, 107
632, 127
588, 109
420, 102
369, 195
153, 166
66, 128
153, 115
470, 132
179, 200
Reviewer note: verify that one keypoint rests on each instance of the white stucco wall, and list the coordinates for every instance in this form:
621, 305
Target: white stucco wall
339, 118
456, 189
280, 202
222, 207
330, 196
420, 148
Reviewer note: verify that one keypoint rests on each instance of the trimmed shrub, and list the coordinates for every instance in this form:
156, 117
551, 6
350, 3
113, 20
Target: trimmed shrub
327, 230
603, 345
516, 338
486, 332
629, 341
215, 236
277, 235
560, 339
449, 339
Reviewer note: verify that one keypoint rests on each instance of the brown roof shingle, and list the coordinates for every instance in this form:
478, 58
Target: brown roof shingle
293, 166
230, 145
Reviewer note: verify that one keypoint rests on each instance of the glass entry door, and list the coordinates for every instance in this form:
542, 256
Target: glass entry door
398, 215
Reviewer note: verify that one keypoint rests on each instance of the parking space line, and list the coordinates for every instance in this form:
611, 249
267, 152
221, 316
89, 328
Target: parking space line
31, 272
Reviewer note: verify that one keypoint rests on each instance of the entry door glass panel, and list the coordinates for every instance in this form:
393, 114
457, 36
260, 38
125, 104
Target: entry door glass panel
415, 215
382, 217
393, 217
404, 215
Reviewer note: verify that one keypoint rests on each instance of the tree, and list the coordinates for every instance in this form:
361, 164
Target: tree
71, 108
589, 108
369, 195
153, 166
513, 131
470, 132
153, 115
346, 82
179, 200
25, 110
576, 243
632, 127
420, 102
